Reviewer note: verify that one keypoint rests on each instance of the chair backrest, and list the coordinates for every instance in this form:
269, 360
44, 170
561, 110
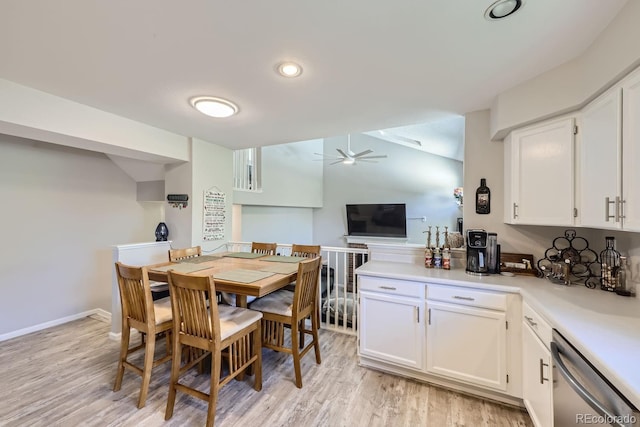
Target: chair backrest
195, 321
307, 251
180, 254
135, 296
264, 248
306, 291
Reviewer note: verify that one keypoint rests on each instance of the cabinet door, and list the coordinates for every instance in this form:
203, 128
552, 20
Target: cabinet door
631, 151
536, 379
541, 174
391, 329
599, 146
468, 344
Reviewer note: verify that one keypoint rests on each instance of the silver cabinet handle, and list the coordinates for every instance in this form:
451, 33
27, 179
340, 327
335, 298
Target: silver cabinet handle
619, 209
429, 313
417, 314
607, 202
542, 365
515, 210
531, 322
391, 288
464, 298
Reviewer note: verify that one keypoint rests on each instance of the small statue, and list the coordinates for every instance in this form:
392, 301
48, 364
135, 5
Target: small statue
447, 243
437, 236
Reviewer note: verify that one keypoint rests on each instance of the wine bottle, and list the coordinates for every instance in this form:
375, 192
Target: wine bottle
483, 198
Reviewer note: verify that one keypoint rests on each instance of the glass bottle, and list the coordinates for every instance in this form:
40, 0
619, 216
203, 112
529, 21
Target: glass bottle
437, 258
622, 286
483, 198
446, 259
610, 264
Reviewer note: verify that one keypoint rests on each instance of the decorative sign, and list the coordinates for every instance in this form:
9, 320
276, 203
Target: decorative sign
213, 221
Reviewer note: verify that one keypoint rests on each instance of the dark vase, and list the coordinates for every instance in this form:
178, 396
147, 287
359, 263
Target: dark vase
162, 232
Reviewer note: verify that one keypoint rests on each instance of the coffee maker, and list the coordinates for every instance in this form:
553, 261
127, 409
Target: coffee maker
482, 252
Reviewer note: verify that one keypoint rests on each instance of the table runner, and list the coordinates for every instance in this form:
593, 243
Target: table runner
201, 259
180, 268
278, 258
248, 255
242, 276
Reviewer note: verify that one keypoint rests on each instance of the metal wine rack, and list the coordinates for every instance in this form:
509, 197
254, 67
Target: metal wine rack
584, 266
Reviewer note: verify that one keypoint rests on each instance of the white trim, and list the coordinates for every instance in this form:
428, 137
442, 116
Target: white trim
99, 313
115, 336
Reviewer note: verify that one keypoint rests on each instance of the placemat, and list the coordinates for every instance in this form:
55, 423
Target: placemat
242, 276
284, 268
180, 268
278, 258
249, 255
201, 259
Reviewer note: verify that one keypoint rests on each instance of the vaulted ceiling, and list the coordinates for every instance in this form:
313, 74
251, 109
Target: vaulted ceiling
367, 64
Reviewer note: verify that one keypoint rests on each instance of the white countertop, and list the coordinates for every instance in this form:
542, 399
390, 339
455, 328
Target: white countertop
603, 326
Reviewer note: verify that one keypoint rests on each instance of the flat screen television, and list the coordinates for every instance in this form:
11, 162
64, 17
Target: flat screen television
377, 220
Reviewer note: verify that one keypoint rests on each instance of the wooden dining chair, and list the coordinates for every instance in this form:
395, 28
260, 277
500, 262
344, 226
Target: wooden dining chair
213, 329
264, 248
306, 251
283, 309
149, 317
184, 253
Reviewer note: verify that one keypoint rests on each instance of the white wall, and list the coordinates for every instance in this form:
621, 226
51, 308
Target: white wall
291, 176
212, 167
63, 211
423, 181
277, 224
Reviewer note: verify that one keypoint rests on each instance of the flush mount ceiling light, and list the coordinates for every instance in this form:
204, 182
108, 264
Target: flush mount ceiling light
503, 8
214, 107
289, 69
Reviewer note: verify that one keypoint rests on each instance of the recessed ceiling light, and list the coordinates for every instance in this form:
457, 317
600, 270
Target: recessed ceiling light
503, 8
289, 69
214, 107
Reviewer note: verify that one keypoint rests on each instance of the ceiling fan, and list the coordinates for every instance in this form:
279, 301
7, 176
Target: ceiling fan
348, 157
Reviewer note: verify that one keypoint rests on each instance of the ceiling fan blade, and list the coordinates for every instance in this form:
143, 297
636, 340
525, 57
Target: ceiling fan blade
373, 157
345, 155
362, 153
335, 163
368, 161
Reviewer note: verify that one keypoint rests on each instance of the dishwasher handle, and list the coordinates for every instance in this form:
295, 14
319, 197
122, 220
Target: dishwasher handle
578, 388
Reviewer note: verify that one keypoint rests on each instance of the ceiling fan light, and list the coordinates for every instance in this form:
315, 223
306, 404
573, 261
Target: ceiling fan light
348, 161
214, 107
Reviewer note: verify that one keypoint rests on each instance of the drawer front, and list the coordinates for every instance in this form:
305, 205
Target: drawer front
391, 286
537, 324
467, 296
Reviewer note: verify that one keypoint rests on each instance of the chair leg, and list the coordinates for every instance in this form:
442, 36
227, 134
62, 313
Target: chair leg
295, 352
315, 323
213, 391
149, 350
176, 359
257, 351
301, 332
124, 347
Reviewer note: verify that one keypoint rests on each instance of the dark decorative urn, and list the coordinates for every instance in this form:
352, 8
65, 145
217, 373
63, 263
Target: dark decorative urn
162, 232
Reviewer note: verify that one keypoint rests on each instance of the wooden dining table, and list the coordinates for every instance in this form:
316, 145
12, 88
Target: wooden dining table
231, 273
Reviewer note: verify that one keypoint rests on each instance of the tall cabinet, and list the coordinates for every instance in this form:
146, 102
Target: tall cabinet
539, 174
609, 149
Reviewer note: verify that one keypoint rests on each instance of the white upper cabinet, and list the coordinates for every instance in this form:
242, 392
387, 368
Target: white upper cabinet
539, 174
631, 151
599, 150
609, 151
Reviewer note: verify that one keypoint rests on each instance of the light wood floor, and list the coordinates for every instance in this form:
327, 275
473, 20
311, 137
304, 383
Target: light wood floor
63, 376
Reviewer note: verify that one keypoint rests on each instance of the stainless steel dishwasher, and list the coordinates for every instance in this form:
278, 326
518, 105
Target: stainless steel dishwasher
581, 395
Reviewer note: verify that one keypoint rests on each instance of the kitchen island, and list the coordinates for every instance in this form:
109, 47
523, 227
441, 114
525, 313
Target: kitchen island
603, 326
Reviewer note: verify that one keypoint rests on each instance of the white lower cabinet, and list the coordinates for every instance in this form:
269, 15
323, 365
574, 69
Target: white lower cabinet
537, 385
452, 335
468, 344
391, 322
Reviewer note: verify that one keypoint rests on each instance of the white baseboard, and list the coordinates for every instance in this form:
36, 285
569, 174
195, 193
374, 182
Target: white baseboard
97, 314
115, 336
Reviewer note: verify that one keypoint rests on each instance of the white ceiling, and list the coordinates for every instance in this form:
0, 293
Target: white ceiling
368, 64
